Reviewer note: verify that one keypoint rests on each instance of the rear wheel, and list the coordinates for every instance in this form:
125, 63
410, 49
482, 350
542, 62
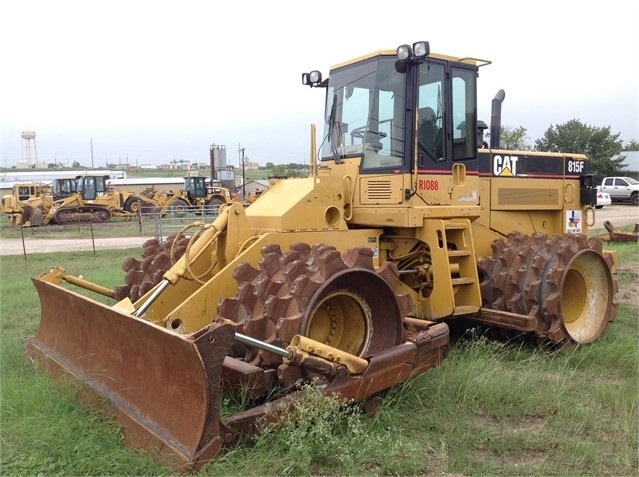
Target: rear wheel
563, 280
137, 204
132, 205
140, 204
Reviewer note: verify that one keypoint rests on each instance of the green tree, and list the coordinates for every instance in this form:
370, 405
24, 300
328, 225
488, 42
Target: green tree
599, 144
280, 170
514, 139
633, 145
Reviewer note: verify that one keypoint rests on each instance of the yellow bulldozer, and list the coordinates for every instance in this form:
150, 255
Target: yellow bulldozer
350, 276
36, 199
81, 199
12, 204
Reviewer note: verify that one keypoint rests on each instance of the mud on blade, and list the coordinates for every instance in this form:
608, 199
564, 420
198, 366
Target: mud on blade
162, 387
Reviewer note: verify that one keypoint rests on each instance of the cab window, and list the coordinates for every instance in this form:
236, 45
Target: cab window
430, 112
365, 114
463, 114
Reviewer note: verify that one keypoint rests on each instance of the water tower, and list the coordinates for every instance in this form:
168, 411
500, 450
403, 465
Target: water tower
29, 151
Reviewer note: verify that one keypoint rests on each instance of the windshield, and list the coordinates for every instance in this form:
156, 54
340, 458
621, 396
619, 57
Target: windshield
631, 181
365, 114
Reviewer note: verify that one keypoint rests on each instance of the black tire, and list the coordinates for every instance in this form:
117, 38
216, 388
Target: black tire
177, 207
133, 204
634, 199
214, 204
215, 201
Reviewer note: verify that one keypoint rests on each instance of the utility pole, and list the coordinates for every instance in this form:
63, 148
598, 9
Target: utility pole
243, 177
92, 167
212, 161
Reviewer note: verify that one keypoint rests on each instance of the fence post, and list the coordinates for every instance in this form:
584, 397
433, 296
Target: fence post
157, 222
24, 249
92, 238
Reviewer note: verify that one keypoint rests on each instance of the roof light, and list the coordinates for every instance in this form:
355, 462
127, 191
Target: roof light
404, 52
311, 79
417, 53
421, 49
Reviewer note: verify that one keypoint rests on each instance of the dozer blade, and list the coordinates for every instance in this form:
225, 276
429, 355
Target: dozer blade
163, 388
31, 217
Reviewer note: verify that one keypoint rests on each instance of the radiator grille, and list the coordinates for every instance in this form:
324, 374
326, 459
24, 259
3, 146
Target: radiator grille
516, 196
378, 190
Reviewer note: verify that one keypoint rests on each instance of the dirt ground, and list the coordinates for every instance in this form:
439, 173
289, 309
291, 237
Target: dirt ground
618, 215
40, 245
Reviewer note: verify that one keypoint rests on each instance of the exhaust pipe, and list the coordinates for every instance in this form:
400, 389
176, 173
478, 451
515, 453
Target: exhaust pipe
495, 119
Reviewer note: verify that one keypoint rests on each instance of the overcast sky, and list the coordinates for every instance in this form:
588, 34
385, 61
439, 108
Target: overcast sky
149, 82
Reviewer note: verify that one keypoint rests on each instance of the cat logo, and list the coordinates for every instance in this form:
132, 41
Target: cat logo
505, 165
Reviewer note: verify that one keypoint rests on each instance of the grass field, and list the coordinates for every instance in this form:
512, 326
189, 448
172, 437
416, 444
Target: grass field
488, 409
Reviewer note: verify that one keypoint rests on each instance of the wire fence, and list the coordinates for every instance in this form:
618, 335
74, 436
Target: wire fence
168, 223
144, 224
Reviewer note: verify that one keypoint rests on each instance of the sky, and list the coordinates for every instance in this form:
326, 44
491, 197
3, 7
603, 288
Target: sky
149, 82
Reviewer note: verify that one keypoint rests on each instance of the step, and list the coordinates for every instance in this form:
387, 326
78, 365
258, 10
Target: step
462, 281
464, 310
455, 225
459, 253
506, 319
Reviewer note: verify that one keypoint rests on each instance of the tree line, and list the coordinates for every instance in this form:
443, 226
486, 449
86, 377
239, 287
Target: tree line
603, 148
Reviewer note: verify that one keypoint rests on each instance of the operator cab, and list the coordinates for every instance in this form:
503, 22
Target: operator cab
64, 188
400, 111
195, 187
91, 187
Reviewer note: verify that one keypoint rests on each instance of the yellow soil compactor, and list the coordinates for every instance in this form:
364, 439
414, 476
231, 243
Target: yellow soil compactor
350, 276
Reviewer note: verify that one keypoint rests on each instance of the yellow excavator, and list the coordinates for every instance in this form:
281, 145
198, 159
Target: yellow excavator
349, 276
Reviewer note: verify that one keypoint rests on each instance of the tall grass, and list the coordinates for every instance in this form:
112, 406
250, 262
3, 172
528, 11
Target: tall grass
490, 408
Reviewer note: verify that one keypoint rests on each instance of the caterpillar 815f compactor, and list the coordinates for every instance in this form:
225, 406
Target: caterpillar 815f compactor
349, 275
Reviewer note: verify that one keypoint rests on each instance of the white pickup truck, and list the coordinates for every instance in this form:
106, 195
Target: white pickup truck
621, 189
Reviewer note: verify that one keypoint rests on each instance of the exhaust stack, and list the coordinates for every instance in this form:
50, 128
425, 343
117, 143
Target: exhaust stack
495, 119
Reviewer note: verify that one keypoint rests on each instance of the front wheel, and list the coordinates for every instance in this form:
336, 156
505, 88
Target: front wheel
214, 205
340, 301
635, 199
177, 207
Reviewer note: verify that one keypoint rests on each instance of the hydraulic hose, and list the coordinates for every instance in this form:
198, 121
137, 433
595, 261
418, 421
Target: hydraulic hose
209, 234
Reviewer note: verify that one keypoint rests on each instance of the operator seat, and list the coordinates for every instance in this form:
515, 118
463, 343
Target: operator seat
429, 133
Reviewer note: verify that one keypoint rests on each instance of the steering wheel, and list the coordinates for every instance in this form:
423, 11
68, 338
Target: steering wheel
360, 133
